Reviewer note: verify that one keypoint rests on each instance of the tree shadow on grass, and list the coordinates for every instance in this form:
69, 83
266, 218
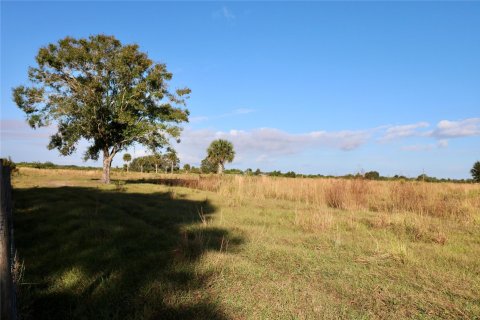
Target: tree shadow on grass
171, 182
95, 254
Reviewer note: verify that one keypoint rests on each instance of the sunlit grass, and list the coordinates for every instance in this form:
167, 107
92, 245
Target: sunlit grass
244, 247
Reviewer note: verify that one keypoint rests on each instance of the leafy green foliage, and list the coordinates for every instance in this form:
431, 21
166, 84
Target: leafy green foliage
172, 159
424, 177
147, 164
207, 166
290, 174
51, 165
476, 171
100, 90
195, 170
275, 173
127, 157
372, 175
153, 163
234, 171
219, 152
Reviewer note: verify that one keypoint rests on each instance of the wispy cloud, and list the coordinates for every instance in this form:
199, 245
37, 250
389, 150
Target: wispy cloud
403, 131
225, 13
266, 143
426, 147
454, 129
444, 130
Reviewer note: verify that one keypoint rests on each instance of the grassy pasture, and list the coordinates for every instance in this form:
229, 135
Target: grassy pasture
189, 247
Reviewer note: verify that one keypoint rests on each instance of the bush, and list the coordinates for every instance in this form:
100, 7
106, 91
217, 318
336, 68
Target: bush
372, 175
335, 194
476, 172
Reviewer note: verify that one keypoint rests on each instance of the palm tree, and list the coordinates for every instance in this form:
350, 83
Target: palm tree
172, 159
157, 160
219, 152
127, 158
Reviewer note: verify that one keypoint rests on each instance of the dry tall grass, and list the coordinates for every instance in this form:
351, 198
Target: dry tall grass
283, 247
434, 199
449, 200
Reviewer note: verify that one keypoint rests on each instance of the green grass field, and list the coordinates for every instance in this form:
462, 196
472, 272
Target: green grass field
139, 250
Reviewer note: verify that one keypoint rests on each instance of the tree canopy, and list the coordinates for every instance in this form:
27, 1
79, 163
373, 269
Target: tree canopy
127, 157
207, 166
372, 175
476, 171
219, 152
153, 163
171, 158
98, 89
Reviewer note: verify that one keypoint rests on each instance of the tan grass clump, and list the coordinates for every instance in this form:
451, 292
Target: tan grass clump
451, 200
445, 200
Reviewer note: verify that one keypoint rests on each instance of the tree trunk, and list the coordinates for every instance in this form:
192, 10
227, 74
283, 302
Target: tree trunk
128, 166
141, 168
220, 168
172, 168
156, 168
107, 163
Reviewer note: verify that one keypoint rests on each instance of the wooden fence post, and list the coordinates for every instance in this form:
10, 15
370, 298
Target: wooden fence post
7, 250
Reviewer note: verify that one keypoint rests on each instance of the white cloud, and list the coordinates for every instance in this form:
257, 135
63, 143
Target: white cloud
426, 147
404, 131
454, 129
266, 143
444, 129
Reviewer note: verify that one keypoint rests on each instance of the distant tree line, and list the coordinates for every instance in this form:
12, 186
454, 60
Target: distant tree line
51, 165
163, 163
168, 162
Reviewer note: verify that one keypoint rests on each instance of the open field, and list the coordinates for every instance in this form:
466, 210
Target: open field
181, 246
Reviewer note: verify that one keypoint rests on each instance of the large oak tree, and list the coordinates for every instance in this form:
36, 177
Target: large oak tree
100, 90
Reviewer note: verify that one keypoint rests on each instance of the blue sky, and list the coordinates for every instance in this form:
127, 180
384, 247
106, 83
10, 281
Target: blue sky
326, 87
